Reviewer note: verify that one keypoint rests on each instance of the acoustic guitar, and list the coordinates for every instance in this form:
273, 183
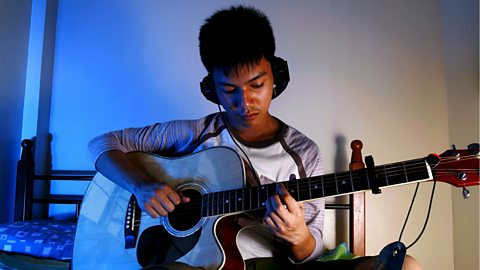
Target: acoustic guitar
113, 233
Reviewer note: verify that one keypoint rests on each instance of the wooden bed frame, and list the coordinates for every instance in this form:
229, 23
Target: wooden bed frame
26, 178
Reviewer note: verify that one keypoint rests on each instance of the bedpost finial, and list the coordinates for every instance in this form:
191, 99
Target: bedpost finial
357, 161
27, 143
356, 145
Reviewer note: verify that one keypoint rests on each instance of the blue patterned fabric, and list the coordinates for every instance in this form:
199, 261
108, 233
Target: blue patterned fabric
43, 238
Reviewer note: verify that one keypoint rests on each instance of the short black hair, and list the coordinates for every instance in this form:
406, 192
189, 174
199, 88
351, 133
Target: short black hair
236, 36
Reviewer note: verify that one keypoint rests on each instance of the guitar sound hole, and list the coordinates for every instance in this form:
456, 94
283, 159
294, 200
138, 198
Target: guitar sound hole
186, 215
156, 246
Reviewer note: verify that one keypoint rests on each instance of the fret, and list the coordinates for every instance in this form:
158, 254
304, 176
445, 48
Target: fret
416, 169
211, 204
386, 175
215, 203
359, 180
330, 185
394, 174
252, 198
323, 186
405, 171
292, 188
204, 205
309, 189
239, 200
336, 182
272, 189
298, 190
316, 187
247, 201
232, 198
304, 190
262, 196
226, 202
255, 198
221, 201
343, 185
351, 180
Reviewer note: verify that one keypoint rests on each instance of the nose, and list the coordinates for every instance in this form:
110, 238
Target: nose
245, 99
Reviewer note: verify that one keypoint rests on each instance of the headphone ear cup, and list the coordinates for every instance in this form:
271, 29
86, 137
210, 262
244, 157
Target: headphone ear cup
207, 87
281, 76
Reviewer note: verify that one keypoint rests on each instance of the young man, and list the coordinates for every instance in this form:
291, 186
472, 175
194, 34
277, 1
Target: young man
237, 48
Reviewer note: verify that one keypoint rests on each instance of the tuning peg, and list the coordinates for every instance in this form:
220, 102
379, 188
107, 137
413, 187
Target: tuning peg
466, 193
454, 152
462, 176
473, 148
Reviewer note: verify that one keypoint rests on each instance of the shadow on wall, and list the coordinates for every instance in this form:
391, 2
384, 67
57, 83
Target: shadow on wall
341, 164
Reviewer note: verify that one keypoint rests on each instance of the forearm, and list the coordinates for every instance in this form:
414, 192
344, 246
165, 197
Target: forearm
116, 166
302, 250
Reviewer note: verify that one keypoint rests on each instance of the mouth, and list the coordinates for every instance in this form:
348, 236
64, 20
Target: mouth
249, 116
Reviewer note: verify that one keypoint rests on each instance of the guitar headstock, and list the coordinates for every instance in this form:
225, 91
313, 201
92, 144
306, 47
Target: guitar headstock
459, 168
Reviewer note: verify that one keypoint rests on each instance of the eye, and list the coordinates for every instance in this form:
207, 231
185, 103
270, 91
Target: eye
228, 89
257, 85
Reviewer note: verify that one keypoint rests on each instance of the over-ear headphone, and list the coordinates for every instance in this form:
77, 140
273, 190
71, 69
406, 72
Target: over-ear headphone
281, 77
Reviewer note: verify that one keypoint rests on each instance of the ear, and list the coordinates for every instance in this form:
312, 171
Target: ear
281, 75
207, 87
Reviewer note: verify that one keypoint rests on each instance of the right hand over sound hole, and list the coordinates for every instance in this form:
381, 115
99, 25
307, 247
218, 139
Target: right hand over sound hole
159, 199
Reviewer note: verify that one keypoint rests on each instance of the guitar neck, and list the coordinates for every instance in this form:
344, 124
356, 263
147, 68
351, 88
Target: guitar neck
328, 185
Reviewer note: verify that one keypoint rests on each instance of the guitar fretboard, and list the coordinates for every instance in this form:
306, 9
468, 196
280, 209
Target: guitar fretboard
253, 198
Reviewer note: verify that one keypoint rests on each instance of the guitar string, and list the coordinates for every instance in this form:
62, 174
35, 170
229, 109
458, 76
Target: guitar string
218, 204
303, 186
212, 210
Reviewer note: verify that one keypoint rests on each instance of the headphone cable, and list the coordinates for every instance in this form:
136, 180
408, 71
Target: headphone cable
254, 172
426, 218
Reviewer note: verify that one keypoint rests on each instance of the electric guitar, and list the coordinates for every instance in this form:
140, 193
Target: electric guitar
113, 233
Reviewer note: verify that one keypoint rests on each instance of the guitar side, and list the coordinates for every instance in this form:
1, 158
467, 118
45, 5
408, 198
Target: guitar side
100, 240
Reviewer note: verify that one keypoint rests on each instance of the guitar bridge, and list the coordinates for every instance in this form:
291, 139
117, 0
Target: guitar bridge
132, 223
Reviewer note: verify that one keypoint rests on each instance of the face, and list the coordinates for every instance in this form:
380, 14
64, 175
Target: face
246, 95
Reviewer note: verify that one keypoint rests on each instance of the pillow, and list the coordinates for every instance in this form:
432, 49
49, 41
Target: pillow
41, 238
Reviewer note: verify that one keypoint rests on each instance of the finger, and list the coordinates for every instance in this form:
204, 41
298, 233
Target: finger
150, 211
161, 200
184, 198
271, 214
155, 209
290, 202
174, 197
273, 223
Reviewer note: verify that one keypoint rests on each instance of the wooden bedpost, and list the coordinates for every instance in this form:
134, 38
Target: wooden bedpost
24, 183
357, 220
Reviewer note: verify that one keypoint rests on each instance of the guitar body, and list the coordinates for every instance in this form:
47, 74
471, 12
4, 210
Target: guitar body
103, 225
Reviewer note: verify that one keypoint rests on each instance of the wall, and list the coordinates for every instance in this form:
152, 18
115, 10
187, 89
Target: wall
460, 40
14, 29
371, 70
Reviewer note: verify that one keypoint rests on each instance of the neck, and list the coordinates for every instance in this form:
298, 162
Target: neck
258, 133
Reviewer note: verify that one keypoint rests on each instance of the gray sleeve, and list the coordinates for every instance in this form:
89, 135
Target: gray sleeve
169, 138
314, 212
312, 165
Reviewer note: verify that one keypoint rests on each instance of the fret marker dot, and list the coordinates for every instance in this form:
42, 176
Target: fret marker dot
226, 201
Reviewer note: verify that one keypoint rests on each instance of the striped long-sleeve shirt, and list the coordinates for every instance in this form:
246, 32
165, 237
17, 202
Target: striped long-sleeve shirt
289, 155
